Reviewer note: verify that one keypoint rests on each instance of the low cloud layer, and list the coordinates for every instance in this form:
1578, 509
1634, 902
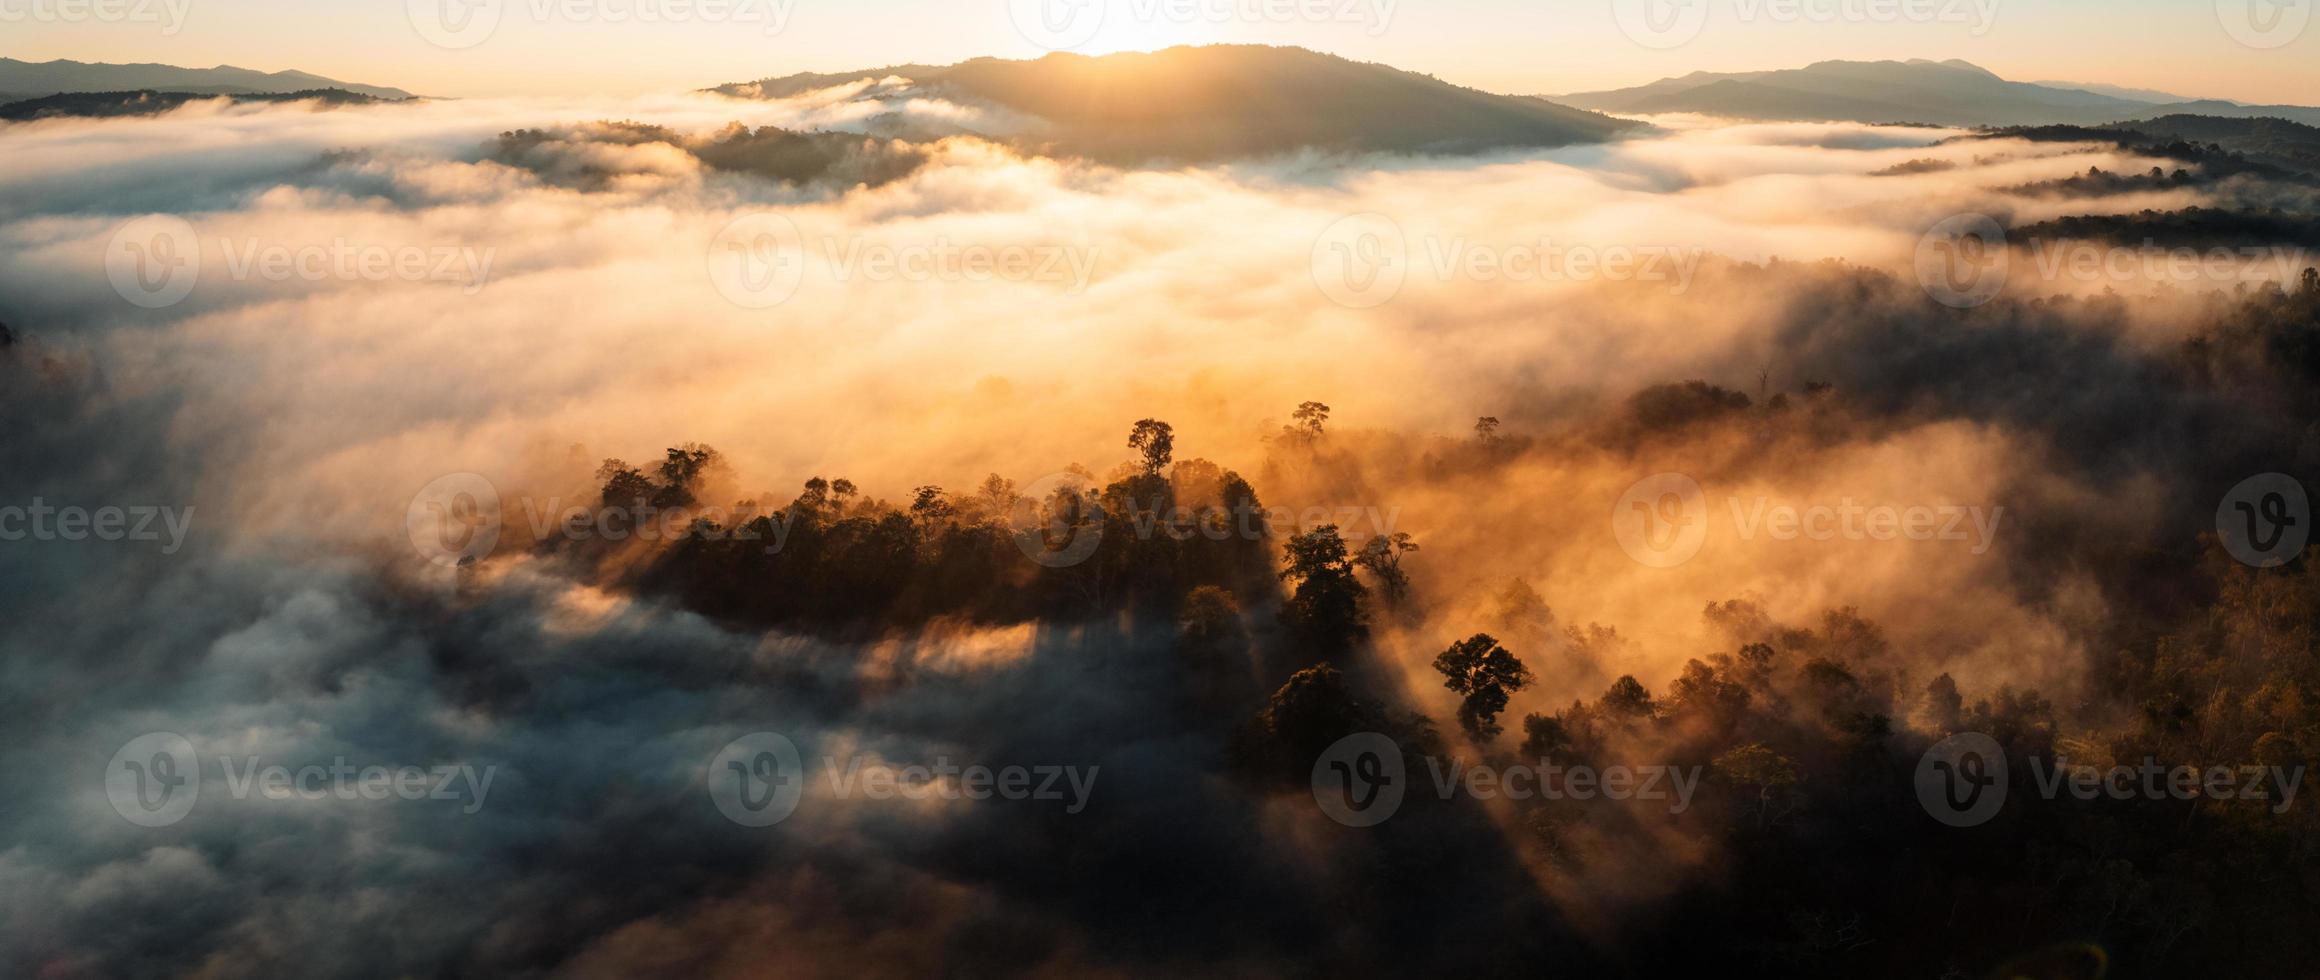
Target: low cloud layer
584, 295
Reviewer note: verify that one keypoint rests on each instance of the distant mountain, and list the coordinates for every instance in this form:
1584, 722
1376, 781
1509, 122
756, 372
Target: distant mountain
1949, 93
148, 102
1206, 103
2149, 95
30, 79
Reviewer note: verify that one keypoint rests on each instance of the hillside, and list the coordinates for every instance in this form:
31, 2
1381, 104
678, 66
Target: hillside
30, 79
1205, 103
1949, 93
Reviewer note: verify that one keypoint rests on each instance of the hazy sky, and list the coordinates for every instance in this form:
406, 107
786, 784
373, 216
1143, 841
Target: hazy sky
1539, 46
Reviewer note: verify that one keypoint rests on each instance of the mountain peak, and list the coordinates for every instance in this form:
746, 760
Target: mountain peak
1958, 63
1218, 101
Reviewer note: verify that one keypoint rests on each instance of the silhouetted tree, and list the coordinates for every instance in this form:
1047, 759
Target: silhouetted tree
624, 485
1544, 737
1627, 696
680, 470
1310, 416
996, 497
1383, 557
1325, 609
1156, 440
930, 509
1519, 610
1704, 693
1315, 708
1486, 674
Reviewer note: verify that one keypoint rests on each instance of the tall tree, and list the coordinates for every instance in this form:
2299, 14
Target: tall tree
1309, 417
1157, 441
1486, 674
1325, 608
1383, 557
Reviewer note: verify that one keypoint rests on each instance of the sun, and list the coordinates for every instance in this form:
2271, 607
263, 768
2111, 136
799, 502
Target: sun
1147, 27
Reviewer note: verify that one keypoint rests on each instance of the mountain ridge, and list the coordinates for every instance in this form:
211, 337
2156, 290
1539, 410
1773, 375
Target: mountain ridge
1216, 101
62, 76
1949, 93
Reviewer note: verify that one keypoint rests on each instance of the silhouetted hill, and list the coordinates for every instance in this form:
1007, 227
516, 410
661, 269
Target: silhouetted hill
1950, 93
2280, 142
60, 76
2218, 148
2151, 96
2305, 115
1199, 103
1954, 93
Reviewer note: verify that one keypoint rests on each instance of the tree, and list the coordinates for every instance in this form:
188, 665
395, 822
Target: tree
1754, 765
1702, 692
2311, 287
1211, 645
624, 485
1317, 707
816, 495
1486, 674
1383, 557
1544, 737
1208, 613
995, 500
1157, 441
1521, 611
1325, 608
680, 471
930, 509
1486, 428
1309, 416
1627, 696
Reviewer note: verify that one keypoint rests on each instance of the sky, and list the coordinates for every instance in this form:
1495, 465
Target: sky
629, 47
